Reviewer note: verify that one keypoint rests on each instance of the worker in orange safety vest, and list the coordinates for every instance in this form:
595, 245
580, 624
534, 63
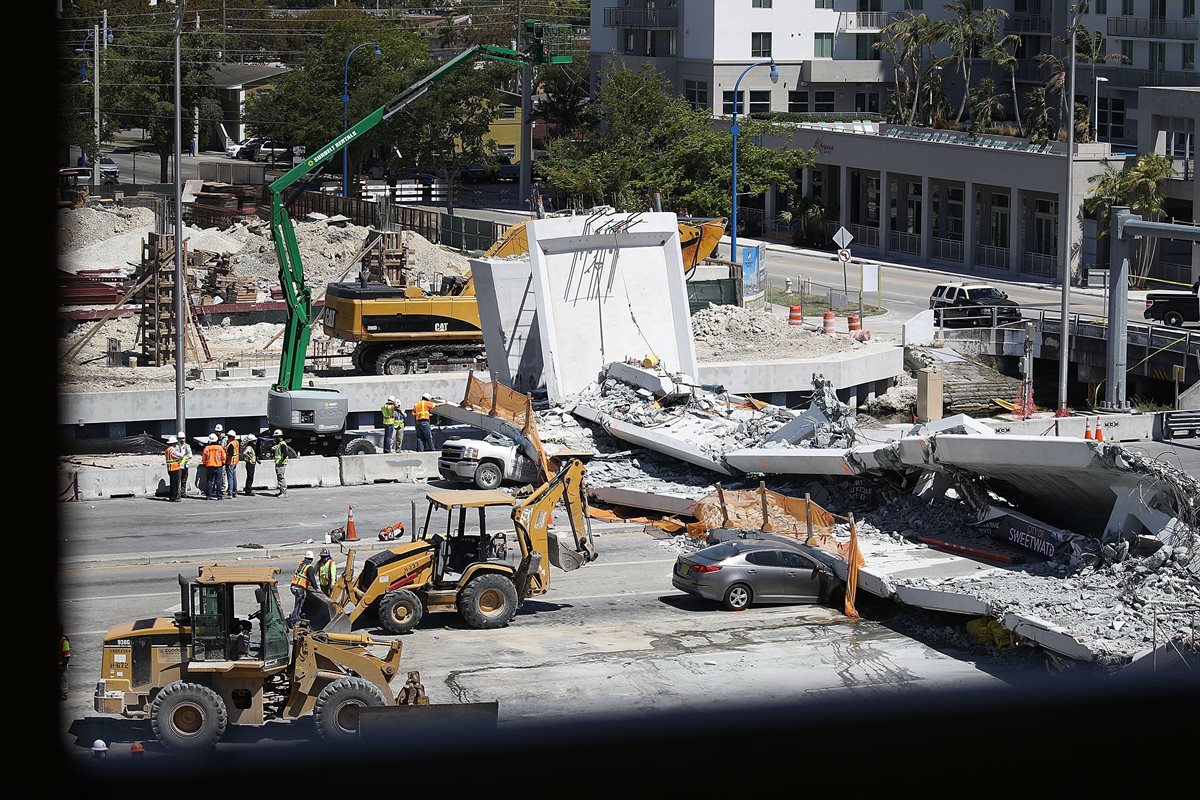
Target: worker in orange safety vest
421, 411
213, 459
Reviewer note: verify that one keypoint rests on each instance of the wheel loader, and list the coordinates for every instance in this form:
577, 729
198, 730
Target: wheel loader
227, 658
472, 572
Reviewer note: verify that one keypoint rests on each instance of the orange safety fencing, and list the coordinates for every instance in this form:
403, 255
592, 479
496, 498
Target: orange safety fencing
619, 514
497, 400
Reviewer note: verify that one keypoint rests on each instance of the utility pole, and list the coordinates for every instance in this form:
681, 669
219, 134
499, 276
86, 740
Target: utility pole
96, 103
1064, 338
181, 318
526, 117
104, 26
224, 43
196, 110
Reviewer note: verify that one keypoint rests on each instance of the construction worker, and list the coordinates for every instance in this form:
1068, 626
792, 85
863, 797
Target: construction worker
326, 572
213, 459
304, 580
172, 468
250, 459
233, 452
398, 427
388, 410
99, 750
185, 455
280, 452
64, 658
422, 410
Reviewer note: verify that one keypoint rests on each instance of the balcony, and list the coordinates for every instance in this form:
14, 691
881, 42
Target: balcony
1133, 78
1183, 169
1027, 23
903, 242
863, 21
648, 18
1187, 30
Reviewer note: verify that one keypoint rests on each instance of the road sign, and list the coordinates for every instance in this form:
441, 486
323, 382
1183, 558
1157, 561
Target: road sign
843, 238
843, 256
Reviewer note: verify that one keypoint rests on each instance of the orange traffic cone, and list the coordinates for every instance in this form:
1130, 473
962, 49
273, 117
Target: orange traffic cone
351, 531
1099, 431
1087, 428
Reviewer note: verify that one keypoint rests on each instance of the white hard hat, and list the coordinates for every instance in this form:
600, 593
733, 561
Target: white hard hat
170, 440
427, 396
308, 554
219, 428
181, 435
278, 432
212, 437
391, 398
99, 746
232, 432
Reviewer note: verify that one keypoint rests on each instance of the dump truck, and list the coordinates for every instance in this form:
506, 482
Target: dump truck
227, 658
472, 572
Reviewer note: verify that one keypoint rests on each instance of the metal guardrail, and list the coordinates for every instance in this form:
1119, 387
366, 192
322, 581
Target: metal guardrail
1148, 28
864, 20
946, 249
1039, 264
991, 257
904, 242
641, 17
864, 235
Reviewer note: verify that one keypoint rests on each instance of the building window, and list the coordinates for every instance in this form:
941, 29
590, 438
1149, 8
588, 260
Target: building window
672, 42
629, 43
1189, 9
1158, 56
823, 4
1180, 133
1127, 8
822, 45
1158, 9
727, 103
798, 102
760, 3
865, 49
1127, 51
824, 102
1111, 119
1101, 7
866, 102
508, 151
508, 112
1189, 55
760, 103
873, 200
760, 45
696, 93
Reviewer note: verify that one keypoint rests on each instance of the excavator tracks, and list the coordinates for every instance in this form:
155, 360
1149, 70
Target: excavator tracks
419, 358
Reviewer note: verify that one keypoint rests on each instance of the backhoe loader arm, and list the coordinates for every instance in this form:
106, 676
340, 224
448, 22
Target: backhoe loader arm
531, 518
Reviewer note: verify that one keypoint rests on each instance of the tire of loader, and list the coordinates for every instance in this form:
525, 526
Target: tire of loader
188, 717
488, 601
336, 711
400, 611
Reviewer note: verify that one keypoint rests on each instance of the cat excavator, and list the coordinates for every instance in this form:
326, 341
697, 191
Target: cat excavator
472, 572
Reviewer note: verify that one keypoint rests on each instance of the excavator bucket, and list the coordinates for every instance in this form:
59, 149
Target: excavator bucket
563, 553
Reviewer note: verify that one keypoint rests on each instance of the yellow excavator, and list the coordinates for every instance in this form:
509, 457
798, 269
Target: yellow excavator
194, 674
472, 572
410, 329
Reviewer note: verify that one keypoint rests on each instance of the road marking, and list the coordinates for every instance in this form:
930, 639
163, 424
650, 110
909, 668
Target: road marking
628, 563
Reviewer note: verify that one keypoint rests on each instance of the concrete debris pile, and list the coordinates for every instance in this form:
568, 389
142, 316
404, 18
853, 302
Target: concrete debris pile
428, 258
828, 422
81, 227
897, 403
729, 331
325, 249
968, 386
1180, 490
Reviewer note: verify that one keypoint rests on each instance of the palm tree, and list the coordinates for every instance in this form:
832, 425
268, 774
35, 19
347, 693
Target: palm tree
907, 38
1136, 187
1089, 47
997, 49
964, 33
1037, 115
985, 102
1056, 82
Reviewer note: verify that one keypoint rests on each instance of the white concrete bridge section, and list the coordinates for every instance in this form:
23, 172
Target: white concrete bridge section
792, 461
857, 376
673, 446
221, 400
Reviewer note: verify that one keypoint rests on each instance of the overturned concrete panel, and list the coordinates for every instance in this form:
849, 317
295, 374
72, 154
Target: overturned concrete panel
508, 317
636, 375
939, 600
651, 440
791, 461
608, 287
490, 424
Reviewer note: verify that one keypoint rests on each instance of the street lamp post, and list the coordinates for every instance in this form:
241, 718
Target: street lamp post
1068, 216
1096, 105
346, 112
735, 130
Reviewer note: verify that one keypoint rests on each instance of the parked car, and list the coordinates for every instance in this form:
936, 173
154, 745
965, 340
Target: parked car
110, 171
238, 149
1174, 308
271, 150
742, 572
970, 305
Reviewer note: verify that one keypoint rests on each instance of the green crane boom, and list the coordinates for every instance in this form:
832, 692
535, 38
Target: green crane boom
322, 412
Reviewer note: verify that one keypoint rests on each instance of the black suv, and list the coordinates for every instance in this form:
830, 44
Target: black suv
972, 305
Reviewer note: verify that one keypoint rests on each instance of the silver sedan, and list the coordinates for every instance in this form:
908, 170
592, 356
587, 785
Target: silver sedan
740, 573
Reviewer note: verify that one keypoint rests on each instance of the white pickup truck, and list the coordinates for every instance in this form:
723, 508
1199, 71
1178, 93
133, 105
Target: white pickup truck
486, 462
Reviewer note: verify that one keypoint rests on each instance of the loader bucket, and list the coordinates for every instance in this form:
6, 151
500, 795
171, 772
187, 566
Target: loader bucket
563, 553
339, 624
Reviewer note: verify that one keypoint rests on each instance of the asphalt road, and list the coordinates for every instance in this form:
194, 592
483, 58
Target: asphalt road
611, 638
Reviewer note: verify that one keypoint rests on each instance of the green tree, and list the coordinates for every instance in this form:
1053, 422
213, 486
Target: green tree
565, 99
985, 102
961, 32
649, 139
910, 39
1138, 187
1002, 50
1039, 123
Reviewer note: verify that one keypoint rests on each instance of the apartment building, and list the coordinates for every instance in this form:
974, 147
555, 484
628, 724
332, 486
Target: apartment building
991, 204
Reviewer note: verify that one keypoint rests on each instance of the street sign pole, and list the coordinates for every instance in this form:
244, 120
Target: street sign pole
842, 239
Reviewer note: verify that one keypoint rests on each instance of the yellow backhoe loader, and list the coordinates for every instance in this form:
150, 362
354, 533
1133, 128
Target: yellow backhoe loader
206, 668
470, 571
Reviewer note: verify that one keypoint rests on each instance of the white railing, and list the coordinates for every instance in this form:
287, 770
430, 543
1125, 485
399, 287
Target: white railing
946, 249
992, 257
904, 242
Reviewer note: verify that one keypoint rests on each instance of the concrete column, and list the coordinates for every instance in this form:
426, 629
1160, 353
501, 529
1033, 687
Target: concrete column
926, 218
768, 207
929, 394
844, 196
1016, 221
806, 182
885, 212
969, 232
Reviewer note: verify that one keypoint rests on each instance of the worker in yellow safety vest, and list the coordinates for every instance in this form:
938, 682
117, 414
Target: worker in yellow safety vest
421, 411
173, 464
233, 452
304, 580
326, 571
388, 410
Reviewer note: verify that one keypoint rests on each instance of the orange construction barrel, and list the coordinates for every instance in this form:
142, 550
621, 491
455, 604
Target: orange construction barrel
855, 324
827, 323
796, 315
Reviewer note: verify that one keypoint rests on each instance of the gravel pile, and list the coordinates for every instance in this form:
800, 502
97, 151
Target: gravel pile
82, 227
429, 258
722, 332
